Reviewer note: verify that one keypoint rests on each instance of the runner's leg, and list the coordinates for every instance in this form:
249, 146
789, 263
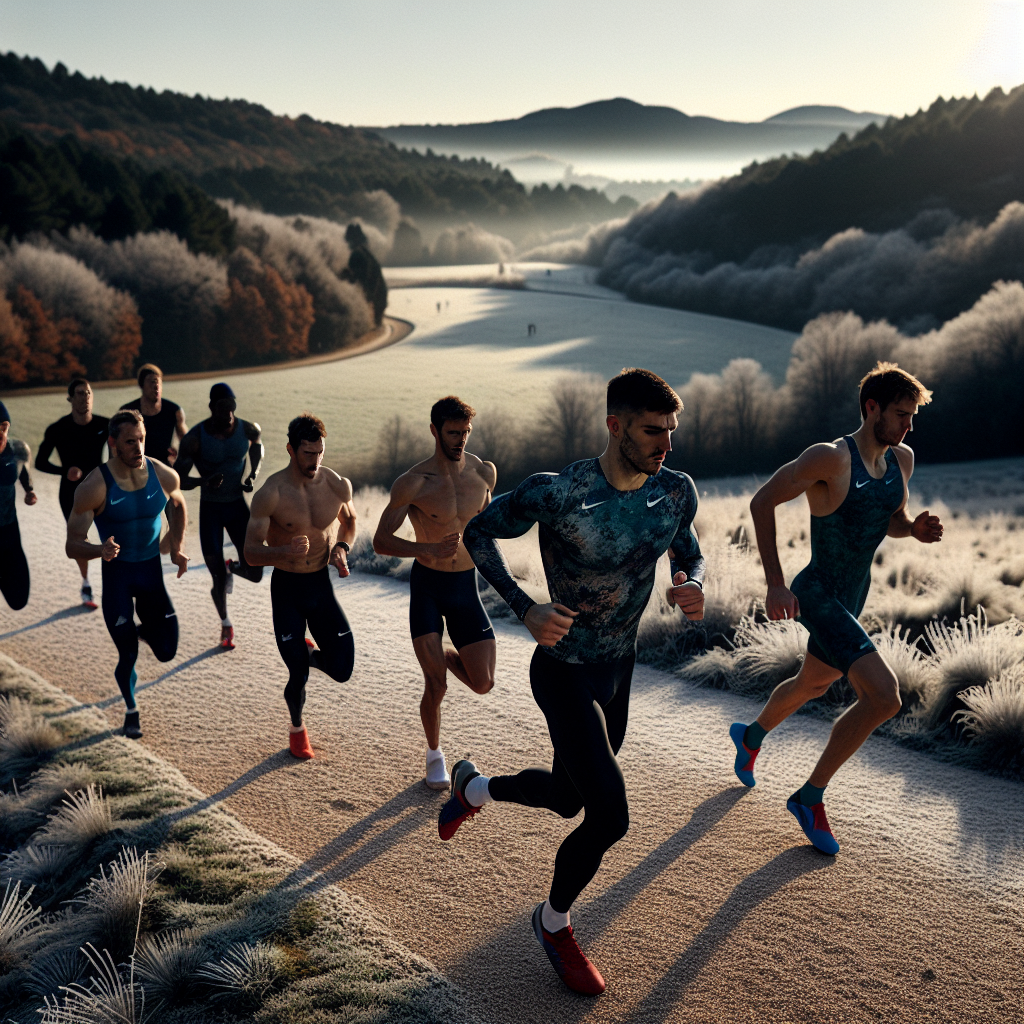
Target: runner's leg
290, 633
156, 613
336, 651
211, 539
236, 521
119, 616
431, 656
14, 576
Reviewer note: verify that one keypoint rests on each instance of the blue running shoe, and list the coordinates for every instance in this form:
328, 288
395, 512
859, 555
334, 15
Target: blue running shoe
814, 823
744, 763
456, 810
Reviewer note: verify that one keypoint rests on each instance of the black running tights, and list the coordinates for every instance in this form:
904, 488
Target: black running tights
587, 708
13, 567
298, 599
214, 518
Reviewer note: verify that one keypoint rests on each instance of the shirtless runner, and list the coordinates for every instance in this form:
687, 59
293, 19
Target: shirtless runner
293, 526
440, 495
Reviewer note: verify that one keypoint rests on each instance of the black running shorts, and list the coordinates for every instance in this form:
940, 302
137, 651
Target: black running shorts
452, 599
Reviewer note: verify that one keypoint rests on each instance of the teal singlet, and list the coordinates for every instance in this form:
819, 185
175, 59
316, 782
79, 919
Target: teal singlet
132, 518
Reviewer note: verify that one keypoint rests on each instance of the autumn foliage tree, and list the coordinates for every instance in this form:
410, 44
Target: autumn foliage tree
34, 347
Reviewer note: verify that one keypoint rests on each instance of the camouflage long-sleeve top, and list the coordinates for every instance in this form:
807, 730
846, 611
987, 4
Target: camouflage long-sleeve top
599, 546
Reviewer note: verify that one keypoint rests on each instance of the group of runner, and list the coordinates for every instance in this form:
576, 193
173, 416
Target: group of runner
604, 523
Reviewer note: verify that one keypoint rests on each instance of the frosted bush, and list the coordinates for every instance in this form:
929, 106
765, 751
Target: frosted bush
83, 817
107, 998
246, 971
993, 719
168, 964
24, 733
114, 899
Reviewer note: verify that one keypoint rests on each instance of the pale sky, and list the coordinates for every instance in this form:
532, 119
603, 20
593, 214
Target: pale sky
383, 62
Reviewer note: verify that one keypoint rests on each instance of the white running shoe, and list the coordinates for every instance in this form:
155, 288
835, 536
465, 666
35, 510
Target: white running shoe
437, 773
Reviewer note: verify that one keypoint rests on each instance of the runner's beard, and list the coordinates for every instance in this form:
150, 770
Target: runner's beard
882, 437
452, 454
630, 451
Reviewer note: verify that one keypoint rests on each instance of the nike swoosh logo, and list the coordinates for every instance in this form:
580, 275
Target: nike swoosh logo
596, 503
153, 495
346, 633
172, 615
863, 483
117, 501
887, 482
288, 637
651, 504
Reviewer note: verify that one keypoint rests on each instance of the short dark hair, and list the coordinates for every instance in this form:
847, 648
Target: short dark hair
146, 369
120, 418
450, 408
306, 427
634, 390
887, 383
74, 384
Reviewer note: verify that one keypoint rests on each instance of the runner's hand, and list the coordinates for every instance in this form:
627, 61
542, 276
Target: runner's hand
181, 561
247, 484
339, 559
781, 603
300, 545
172, 454
110, 549
31, 497
74, 474
549, 622
447, 547
688, 596
926, 528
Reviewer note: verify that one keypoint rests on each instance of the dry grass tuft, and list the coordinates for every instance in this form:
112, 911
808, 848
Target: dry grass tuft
107, 998
168, 965
19, 919
24, 733
246, 972
83, 817
993, 719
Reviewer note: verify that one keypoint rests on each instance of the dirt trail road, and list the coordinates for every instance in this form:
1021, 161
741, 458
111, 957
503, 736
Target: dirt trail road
713, 908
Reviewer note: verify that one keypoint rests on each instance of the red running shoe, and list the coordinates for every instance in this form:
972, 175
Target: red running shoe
298, 744
456, 810
227, 637
567, 958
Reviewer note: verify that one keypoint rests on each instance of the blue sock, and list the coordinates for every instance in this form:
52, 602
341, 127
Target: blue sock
810, 795
754, 736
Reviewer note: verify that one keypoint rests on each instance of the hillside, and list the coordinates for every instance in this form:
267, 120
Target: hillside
242, 151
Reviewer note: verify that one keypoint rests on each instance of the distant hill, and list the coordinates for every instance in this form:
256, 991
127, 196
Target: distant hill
242, 151
609, 126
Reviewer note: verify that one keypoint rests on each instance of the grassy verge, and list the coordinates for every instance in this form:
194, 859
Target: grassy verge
126, 895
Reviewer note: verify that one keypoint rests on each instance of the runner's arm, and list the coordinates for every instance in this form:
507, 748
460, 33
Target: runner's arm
687, 564
177, 514
180, 426
510, 515
45, 450
347, 517
926, 528
403, 494
252, 432
90, 496
187, 452
257, 551
23, 454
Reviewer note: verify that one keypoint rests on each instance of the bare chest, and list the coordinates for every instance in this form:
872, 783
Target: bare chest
447, 501
315, 509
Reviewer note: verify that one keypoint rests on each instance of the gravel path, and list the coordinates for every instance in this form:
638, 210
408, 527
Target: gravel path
713, 908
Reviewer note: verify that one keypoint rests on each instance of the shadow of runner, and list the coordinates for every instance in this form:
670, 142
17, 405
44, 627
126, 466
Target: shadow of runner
279, 760
598, 914
78, 609
764, 883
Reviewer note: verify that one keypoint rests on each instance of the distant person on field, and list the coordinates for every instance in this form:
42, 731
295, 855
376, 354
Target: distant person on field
163, 418
302, 521
14, 578
125, 498
81, 440
217, 447
856, 488
440, 496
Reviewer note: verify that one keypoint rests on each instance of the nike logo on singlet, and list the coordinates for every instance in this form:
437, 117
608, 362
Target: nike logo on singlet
153, 495
596, 503
651, 504
863, 483
117, 501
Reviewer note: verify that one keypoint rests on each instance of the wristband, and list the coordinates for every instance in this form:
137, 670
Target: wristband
342, 544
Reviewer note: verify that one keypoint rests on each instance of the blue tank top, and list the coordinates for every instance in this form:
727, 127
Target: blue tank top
13, 453
132, 518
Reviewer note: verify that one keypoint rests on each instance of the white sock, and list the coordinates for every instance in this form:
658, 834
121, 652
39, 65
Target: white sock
476, 792
552, 920
226, 622
436, 770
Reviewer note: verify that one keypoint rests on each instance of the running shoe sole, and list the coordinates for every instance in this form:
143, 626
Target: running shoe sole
581, 976
814, 824
744, 763
456, 810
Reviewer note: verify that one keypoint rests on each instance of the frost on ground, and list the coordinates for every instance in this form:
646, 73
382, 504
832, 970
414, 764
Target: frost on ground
128, 896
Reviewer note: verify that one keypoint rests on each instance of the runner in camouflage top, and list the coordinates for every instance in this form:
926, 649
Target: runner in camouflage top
604, 523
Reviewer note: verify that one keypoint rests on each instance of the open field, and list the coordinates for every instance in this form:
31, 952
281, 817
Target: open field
712, 907
476, 347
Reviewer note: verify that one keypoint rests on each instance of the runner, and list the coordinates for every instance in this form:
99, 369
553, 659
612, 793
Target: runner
440, 495
14, 578
80, 439
217, 448
294, 527
604, 523
164, 419
125, 498
856, 488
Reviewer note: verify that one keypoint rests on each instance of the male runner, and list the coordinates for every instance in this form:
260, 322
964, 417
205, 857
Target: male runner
440, 495
604, 523
217, 447
164, 419
14, 578
294, 527
125, 497
80, 439
856, 488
